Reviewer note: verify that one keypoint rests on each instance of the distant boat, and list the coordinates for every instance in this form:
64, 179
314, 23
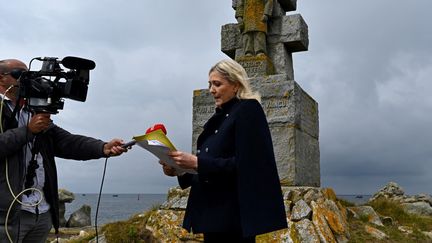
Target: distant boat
83, 194
115, 195
359, 196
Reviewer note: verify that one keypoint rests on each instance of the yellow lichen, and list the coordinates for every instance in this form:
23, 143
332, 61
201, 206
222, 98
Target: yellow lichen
329, 194
196, 93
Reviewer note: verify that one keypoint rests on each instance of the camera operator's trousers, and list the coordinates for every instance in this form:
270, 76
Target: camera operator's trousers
34, 228
12, 227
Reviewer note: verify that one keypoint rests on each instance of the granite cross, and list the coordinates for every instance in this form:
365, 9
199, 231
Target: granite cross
285, 35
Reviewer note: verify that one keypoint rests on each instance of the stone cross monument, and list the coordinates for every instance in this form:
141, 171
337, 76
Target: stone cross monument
263, 41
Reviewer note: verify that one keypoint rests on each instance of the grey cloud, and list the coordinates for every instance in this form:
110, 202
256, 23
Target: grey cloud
368, 66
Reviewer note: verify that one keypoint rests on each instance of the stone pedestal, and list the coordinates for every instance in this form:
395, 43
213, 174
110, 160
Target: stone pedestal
293, 120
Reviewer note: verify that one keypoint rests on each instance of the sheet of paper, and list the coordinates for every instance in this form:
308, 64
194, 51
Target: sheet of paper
159, 145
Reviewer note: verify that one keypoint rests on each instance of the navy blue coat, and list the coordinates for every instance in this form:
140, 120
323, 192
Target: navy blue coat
237, 187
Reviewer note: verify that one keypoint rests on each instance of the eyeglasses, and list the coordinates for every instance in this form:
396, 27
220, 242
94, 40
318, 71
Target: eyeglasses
15, 73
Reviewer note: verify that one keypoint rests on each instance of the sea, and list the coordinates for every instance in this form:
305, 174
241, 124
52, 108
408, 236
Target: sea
114, 207
358, 199
118, 207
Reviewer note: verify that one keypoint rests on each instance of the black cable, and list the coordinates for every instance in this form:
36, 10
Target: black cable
99, 197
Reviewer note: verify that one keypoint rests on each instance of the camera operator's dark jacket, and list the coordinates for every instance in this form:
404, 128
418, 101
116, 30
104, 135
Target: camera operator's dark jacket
237, 187
54, 142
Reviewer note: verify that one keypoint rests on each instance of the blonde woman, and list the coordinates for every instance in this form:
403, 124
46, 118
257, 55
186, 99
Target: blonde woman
236, 194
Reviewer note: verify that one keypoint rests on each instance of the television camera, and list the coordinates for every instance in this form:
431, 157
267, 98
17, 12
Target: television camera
44, 90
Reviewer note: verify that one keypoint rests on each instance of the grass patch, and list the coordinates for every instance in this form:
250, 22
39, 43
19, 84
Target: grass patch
393, 209
358, 233
133, 230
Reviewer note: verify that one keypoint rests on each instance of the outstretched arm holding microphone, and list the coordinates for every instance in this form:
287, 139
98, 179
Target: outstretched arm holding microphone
28, 145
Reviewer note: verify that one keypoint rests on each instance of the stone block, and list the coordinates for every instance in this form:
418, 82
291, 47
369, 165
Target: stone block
230, 39
291, 30
301, 210
304, 231
282, 59
285, 102
203, 109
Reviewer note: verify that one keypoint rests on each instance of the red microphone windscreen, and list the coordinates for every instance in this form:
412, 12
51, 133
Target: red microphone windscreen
155, 127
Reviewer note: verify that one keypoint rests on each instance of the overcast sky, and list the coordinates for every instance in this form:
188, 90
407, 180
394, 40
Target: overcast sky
369, 66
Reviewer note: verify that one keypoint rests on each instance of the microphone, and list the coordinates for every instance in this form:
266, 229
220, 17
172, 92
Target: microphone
46, 58
158, 126
78, 63
129, 144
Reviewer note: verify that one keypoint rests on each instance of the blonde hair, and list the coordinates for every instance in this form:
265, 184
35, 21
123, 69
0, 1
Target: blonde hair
236, 74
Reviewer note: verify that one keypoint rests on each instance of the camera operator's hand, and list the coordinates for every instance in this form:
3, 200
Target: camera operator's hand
39, 122
114, 147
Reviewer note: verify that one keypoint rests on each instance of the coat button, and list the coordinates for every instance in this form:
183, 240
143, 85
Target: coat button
216, 131
206, 149
227, 115
198, 151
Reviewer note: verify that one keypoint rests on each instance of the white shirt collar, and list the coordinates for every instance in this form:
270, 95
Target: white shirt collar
4, 97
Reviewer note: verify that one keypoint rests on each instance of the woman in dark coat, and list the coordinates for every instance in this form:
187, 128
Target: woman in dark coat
236, 193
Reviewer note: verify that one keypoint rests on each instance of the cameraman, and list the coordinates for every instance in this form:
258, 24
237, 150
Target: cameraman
28, 145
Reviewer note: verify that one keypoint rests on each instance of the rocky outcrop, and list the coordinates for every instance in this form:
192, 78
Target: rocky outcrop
80, 218
313, 215
418, 208
376, 233
165, 223
65, 196
368, 212
418, 204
